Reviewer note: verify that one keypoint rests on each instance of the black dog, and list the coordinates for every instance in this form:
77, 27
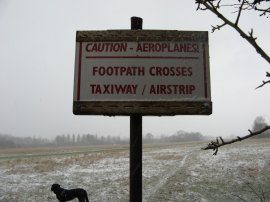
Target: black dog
64, 195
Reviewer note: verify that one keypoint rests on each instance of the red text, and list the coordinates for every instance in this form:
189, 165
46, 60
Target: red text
170, 71
167, 47
172, 89
106, 47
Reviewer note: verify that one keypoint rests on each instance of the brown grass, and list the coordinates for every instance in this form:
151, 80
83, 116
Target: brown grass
51, 162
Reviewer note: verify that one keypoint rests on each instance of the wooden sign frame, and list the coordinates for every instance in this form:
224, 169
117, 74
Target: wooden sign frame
176, 47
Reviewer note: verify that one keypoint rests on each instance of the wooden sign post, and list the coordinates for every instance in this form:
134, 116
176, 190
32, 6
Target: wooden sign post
138, 73
135, 143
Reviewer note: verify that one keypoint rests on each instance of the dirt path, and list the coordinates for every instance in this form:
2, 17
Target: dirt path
154, 190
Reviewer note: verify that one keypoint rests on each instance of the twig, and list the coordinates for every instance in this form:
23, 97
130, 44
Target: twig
264, 11
264, 82
214, 145
217, 27
239, 13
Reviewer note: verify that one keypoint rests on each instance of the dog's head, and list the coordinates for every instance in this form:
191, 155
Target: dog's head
55, 187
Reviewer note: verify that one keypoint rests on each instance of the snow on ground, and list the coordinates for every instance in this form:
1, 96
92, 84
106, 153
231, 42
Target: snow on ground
177, 172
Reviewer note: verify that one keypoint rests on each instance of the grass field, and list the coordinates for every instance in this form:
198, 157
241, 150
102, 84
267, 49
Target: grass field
176, 172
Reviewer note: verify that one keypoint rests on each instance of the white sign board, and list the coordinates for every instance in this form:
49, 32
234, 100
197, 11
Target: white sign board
123, 72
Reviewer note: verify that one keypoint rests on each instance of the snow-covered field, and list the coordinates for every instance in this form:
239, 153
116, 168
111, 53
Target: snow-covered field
177, 172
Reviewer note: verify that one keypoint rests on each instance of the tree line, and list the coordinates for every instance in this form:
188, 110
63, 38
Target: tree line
8, 141
86, 139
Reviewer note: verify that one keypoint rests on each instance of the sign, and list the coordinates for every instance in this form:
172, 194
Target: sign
147, 72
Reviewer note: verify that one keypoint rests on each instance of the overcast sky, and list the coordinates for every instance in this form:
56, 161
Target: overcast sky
37, 55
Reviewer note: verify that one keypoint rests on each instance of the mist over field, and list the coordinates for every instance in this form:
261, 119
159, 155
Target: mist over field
171, 172
9, 141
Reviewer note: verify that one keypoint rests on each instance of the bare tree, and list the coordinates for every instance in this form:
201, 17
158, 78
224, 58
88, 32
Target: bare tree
262, 7
238, 7
259, 123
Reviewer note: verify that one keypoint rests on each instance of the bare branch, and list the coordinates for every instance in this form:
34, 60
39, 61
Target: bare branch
264, 11
258, 1
208, 4
264, 82
251, 35
246, 5
239, 13
217, 27
214, 145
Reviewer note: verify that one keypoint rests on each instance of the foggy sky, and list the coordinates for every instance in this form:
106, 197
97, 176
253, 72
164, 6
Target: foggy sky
37, 55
